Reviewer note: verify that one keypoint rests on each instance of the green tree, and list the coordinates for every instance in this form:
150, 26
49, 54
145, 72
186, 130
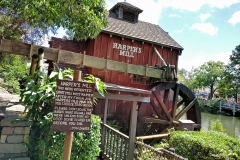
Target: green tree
234, 64
227, 85
33, 18
186, 78
208, 75
12, 69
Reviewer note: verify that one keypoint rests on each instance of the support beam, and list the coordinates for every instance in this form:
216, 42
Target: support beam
155, 120
160, 101
132, 131
182, 112
175, 99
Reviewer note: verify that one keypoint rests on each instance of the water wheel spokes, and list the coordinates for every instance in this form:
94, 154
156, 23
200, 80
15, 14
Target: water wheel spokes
169, 103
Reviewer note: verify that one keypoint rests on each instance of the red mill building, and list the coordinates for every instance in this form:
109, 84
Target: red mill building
129, 40
126, 39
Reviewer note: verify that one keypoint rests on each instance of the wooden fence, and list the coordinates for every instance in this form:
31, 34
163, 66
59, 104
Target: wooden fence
115, 146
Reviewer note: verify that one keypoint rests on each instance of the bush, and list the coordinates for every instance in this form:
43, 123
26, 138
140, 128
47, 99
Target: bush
209, 106
216, 125
205, 145
45, 144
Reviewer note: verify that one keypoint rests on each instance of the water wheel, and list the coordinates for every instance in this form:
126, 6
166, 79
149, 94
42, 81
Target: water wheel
169, 102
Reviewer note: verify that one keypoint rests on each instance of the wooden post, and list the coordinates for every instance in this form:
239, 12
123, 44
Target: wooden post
234, 109
69, 135
40, 60
33, 64
132, 131
104, 122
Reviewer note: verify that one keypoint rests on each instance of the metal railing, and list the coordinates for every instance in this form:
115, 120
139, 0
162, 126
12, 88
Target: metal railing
114, 144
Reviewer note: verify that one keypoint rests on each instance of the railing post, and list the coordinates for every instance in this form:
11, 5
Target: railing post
233, 109
132, 131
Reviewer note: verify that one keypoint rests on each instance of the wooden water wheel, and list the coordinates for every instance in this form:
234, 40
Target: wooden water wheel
170, 101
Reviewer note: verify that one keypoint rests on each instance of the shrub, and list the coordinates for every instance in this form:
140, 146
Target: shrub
205, 145
216, 125
45, 144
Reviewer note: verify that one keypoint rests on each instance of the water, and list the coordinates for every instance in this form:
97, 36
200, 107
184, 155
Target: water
230, 124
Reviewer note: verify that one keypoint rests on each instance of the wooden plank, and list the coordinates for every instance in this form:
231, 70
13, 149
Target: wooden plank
122, 97
160, 101
132, 131
175, 99
156, 109
69, 57
182, 112
153, 136
155, 120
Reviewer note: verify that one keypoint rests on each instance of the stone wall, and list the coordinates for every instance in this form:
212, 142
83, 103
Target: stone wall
13, 137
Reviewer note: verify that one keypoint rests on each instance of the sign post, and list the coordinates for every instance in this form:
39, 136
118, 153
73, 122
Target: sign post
72, 109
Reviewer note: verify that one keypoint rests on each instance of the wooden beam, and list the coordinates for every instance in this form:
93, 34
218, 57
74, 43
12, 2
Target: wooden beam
132, 131
63, 56
156, 108
122, 97
175, 99
160, 101
153, 136
155, 120
180, 103
182, 112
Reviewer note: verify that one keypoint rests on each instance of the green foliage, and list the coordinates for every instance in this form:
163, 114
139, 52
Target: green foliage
45, 144
34, 18
205, 145
12, 69
210, 106
186, 78
216, 125
208, 75
227, 85
163, 144
234, 65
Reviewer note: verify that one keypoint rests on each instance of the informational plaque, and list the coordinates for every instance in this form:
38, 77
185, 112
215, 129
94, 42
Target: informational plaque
73, 106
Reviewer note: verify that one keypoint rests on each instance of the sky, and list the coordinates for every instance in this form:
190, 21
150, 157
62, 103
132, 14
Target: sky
206, 29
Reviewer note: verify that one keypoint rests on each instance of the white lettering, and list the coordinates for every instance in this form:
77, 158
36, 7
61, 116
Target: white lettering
114, 45
126, 50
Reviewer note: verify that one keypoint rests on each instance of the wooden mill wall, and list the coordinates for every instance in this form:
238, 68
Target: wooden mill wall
103, 46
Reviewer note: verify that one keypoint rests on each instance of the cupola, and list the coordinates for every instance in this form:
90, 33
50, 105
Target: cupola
126, 11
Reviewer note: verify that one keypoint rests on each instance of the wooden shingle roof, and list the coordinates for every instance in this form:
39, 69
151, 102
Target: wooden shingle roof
142, 31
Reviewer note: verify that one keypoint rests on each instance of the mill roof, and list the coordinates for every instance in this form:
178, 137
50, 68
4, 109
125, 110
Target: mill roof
141, 30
